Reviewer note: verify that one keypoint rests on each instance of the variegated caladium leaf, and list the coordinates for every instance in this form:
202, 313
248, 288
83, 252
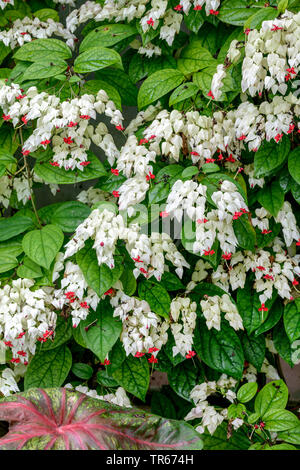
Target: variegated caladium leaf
61, 419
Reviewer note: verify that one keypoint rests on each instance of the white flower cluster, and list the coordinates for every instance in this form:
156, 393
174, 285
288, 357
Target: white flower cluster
272, 55
148, 252
135, 158
187, 197
276, 271
210, 417
212, 306
289, 224
183, 322
224, 132
142, 329
75, 294
118, 398
8, 384
102, 226
190, 197
158, 15
26, 29
25, 317
93, 195
66, 123
149, 50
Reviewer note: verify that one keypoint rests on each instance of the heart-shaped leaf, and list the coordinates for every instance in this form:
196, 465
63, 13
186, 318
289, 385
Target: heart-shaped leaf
43, 245
62, 419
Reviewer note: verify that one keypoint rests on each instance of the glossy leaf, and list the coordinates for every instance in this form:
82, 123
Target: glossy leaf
270, 156
156, 296
133, 375
42, 50
273, 396
220, 350
48, 368
96, 58
43, 245
107, 35
100, 278
103, 332
157, 85
12, 226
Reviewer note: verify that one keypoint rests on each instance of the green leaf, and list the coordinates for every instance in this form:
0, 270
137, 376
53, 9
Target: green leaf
291, 319
43, 245
236, 411
107, 35
83, 371
273, 318
171, 282
161, 405
184, 377
12, 247
280, 420
157, 85
292, 435
103, 333
100, 278
270, 156
13, 226
120, 80
159, 193
128, 282
63, 334
194, 20
93, 86
235, 12
264, 14
6, 158
140, 67
294, 164
103, 378
169, 173
248, 306
183, 92
247, 392
282, 6
7, 262
282, 343
271, 197
220, 350
96, 58
41, 50
219, 440
133, 375
48, 368
117, 355
44, 69
254, 349
46, 13
189, 172
244, 233
210, 168
156, 296
29, 269
53, 174
195, 57
273, 396
68, 215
